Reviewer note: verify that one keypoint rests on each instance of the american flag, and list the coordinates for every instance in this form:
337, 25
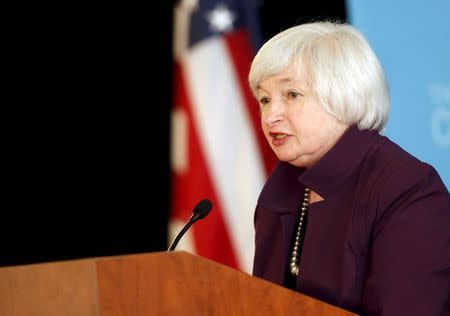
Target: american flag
218, 150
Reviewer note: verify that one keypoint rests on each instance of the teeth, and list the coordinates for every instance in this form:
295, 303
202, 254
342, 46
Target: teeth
280, 136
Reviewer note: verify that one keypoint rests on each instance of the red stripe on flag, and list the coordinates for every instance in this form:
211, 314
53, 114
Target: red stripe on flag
241, 53
211, 237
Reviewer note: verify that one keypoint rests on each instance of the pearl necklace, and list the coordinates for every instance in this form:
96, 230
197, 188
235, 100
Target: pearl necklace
294, 263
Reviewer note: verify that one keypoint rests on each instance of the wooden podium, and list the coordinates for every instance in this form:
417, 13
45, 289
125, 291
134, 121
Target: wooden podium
160, 283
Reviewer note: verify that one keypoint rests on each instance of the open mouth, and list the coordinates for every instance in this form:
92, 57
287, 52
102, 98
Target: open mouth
278, 135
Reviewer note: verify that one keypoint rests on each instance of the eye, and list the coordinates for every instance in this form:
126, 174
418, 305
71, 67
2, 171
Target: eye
264, 100
293, 94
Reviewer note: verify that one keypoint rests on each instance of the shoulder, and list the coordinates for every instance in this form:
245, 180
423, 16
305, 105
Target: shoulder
392, 167
389, 157
397, 180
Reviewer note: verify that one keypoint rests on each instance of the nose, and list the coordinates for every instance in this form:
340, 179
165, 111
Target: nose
272, 114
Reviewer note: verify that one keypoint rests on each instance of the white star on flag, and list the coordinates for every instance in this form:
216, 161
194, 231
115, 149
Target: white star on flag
221, 19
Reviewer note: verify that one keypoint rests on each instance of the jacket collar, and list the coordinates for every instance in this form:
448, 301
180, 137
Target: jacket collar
331, 172
284, 188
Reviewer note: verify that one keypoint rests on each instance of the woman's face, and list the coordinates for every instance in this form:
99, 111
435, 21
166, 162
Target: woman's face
295, 125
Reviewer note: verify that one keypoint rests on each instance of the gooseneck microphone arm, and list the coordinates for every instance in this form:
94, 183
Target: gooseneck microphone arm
200, 211
180, 234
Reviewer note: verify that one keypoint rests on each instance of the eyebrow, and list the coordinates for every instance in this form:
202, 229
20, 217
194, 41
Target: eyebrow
282, 80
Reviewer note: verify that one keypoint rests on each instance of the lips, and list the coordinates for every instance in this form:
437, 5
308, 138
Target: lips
278, 138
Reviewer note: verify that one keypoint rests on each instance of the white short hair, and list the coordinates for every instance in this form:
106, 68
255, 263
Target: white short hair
340, 66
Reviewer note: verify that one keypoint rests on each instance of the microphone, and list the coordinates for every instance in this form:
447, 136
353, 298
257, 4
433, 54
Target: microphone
201, 210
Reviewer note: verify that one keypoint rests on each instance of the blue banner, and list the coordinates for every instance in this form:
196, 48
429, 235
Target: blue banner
412, 41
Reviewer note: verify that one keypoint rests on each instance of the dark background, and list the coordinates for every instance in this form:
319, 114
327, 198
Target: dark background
88, 151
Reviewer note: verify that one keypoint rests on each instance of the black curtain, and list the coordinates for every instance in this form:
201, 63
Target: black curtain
88, 153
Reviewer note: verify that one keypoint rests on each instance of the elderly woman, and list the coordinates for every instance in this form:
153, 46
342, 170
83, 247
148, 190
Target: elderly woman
347, 216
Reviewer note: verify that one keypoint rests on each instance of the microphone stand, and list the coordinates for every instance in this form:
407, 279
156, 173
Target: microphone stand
192, 220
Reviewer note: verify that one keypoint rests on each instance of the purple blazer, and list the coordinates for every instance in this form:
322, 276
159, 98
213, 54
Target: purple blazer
379, 242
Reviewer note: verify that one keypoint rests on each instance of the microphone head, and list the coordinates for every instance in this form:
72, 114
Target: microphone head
203, 208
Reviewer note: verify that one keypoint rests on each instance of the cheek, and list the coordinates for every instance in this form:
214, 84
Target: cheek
309, 123
261, 121
265, 132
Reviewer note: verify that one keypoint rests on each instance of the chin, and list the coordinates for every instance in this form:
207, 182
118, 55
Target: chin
298, 162
291, 160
